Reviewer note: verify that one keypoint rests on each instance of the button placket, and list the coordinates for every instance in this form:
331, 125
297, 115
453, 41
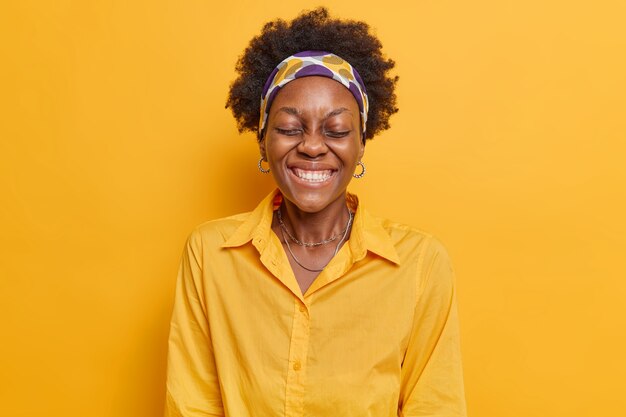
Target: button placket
296, 372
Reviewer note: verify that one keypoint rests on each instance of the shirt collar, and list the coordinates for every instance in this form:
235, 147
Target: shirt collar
368, 233
257, 226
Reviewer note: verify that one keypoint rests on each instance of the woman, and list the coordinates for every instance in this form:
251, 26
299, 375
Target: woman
308, 305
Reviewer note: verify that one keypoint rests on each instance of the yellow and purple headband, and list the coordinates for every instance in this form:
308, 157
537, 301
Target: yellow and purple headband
309, 63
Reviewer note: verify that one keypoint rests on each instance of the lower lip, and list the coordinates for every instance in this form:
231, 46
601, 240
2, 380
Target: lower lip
311, 183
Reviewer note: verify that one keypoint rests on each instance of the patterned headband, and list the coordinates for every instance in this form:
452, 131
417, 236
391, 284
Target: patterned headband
308, 63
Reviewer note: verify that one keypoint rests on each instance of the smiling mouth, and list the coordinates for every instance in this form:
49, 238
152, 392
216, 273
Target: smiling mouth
312, 176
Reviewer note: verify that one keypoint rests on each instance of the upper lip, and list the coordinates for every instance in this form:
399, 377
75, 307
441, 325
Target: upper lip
309, 166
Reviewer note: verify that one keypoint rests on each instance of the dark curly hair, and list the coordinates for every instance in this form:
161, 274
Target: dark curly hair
313, 30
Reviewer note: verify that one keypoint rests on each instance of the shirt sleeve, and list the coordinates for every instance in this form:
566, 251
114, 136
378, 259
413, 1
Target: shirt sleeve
192, 383
432, 376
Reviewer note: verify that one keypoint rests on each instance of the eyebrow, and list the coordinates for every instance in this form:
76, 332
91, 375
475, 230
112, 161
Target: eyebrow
337, 112
290, 110
295, 112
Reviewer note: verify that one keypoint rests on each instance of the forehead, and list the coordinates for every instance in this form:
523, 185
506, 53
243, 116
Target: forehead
313, 93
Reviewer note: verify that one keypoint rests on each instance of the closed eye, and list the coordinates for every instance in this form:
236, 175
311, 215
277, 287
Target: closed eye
289, 132
341, 134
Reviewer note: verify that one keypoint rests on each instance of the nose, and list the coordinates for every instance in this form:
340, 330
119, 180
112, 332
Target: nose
313, 145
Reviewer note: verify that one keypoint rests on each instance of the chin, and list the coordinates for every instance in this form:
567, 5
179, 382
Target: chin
311, 201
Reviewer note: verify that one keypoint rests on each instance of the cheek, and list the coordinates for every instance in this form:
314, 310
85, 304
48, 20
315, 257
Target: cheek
277, 151
349, 152
274, 149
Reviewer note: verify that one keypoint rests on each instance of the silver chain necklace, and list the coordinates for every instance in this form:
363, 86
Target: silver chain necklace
309, 244
345, 234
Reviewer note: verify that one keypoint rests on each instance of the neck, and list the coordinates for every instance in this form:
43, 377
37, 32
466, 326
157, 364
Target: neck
315, 227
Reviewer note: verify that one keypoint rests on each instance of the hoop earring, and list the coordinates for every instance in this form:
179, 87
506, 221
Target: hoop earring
265, 171
362, 170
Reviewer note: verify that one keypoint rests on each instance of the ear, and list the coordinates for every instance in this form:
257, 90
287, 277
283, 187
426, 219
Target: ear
361, 149
262, 148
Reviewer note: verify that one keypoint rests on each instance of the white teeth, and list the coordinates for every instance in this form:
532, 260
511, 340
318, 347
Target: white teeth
313, 176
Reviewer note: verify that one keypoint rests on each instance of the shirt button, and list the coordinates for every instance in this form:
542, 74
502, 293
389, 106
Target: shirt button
297, 366
302, 309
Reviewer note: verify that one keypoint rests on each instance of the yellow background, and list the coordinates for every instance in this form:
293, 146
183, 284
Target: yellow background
510, 146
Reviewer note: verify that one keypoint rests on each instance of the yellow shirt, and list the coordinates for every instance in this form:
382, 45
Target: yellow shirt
376, 334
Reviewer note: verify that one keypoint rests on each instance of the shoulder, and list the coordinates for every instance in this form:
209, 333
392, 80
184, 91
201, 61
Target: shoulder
406, 235
399, 231
428, 255
216, 232
414, 244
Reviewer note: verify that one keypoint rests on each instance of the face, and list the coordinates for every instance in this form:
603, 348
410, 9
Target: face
313, 141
